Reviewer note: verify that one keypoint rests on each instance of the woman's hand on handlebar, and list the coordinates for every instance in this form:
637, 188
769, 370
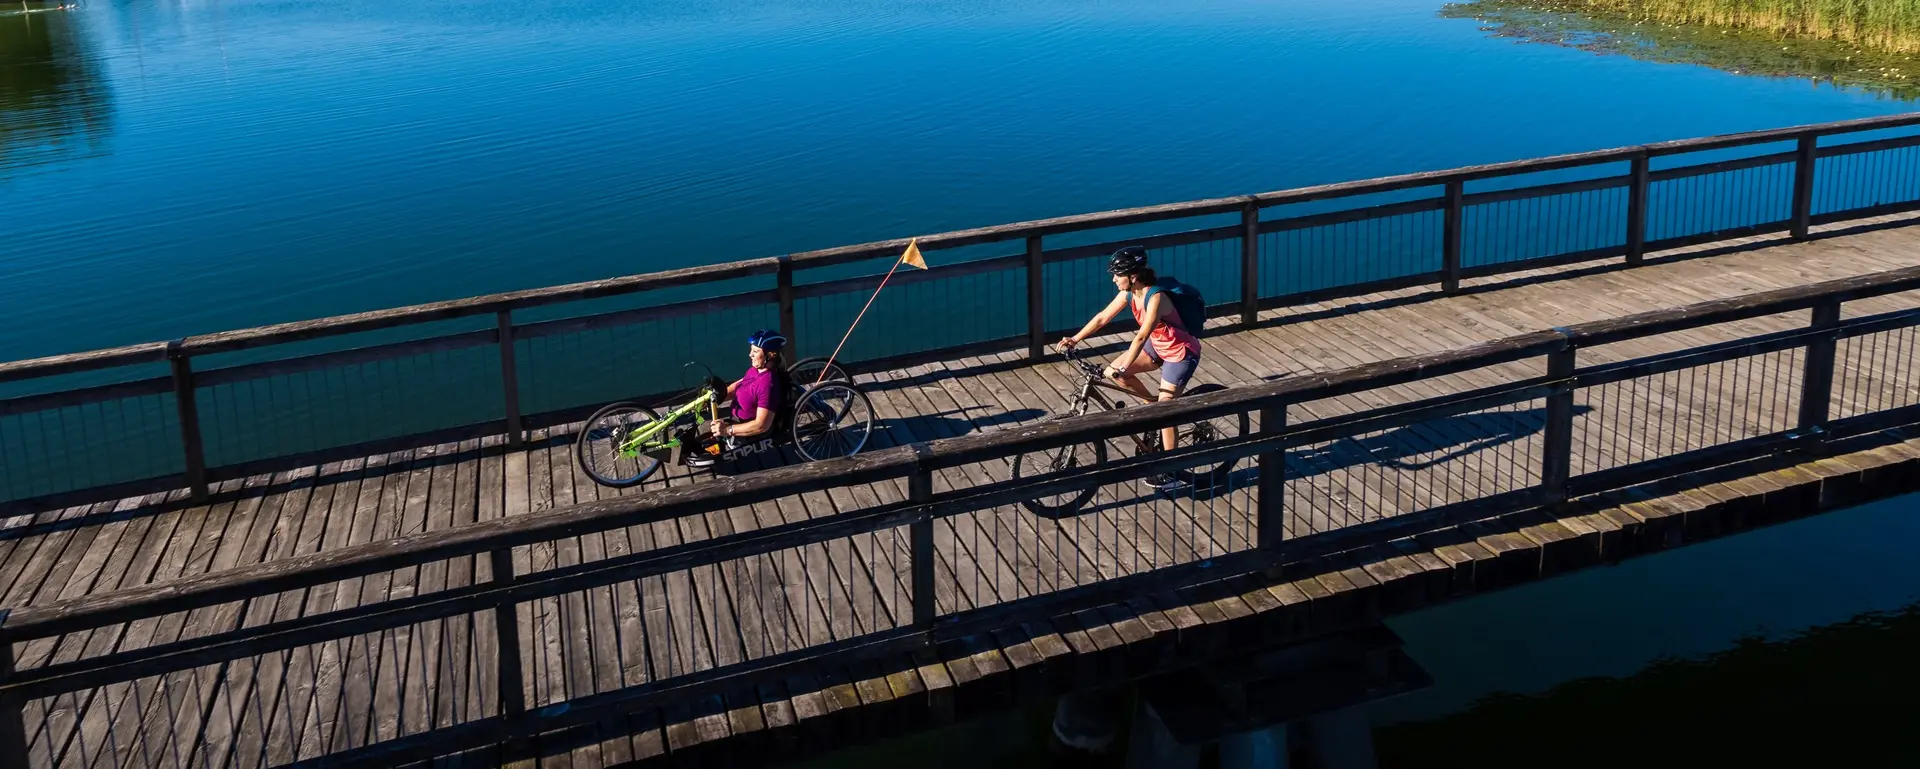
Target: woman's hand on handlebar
1066, 343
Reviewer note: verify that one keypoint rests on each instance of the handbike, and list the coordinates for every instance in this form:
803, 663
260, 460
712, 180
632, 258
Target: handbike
1090, 454
824, 416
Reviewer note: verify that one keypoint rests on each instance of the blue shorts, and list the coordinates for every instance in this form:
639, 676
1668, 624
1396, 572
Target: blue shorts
1175, 374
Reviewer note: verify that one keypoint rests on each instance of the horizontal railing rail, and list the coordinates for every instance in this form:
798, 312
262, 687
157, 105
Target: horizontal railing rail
1576, 455
198, 424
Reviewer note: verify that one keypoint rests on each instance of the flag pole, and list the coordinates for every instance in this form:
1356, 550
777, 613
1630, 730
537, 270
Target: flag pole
863, 310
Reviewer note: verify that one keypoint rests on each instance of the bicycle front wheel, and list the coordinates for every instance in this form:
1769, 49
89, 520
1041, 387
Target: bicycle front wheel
1063, 458
601, 450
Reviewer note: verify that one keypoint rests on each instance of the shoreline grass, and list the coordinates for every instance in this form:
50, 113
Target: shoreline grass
1887, 25
1740, 50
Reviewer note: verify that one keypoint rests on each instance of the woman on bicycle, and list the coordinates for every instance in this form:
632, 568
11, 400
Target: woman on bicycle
757, 395
1167, 344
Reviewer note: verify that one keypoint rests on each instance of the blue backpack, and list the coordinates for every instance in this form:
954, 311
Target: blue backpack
1187, 303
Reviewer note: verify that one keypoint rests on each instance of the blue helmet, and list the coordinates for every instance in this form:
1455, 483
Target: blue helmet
771, 341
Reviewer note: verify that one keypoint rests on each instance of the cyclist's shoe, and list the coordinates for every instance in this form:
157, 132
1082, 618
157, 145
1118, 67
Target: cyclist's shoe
1164, 481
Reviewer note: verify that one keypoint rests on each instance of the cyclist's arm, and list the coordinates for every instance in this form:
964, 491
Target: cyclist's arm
1152, 314
1102, 319
762, 419
736, 383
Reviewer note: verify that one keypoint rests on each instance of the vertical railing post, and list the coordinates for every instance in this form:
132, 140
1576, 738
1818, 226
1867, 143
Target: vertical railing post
511, 682
1557, 466
188, 412
1816, 382
1637, 210
785, 290
1036, 298
1450, 236
13, 715
509, 377
920, 491
506, 632
1271, 526
1803, 185
1250, 263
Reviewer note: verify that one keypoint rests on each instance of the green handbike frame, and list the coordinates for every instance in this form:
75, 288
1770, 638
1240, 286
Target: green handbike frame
638, 443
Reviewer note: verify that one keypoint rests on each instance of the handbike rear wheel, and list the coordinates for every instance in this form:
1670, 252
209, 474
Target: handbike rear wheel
831, 419
597, 450
804, 373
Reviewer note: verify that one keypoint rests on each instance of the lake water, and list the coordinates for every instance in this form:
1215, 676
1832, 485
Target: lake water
186, 167
1621, 630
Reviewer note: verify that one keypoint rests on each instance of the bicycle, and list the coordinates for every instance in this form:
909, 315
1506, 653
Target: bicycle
1068, 457
825, 416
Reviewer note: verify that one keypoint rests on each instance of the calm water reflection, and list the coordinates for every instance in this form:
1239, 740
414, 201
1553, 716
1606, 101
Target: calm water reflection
54, 100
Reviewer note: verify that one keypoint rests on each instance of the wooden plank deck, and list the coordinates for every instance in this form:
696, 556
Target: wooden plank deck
307, 702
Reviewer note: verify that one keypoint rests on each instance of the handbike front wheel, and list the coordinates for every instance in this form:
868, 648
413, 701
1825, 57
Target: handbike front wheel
597, 447
1056, 460
831, 419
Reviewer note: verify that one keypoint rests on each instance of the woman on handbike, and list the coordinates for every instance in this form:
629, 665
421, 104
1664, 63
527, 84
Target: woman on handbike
758, 396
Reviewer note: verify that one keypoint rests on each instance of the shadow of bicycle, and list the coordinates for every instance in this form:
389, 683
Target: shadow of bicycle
1410, 448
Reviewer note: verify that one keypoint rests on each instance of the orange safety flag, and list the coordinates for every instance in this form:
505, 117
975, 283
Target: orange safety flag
912, 256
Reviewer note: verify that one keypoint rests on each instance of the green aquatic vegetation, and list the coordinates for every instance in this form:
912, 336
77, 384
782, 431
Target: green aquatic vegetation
1753, 49
1889, 25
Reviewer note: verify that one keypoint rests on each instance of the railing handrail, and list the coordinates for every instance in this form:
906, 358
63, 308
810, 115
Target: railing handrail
261, 336
307, 570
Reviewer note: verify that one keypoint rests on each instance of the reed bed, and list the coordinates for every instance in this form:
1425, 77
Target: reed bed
1886, 25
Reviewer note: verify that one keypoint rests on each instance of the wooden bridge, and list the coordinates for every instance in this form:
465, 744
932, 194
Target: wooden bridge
362, 541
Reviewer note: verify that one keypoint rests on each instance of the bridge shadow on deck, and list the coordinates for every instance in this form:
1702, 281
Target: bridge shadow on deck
1410, 448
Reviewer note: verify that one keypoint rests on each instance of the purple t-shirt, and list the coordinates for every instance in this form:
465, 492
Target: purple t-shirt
755, 391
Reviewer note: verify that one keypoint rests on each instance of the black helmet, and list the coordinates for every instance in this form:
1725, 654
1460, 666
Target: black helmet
771, 341
1128, 261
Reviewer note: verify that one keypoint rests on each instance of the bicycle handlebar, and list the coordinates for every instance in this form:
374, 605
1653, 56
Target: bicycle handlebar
1092, 370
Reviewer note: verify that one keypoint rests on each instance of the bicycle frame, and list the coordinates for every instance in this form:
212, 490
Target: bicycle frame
638, 443
1096, 378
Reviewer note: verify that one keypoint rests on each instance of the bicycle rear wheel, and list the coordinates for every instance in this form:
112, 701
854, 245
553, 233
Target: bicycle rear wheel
1214, 475
597, 447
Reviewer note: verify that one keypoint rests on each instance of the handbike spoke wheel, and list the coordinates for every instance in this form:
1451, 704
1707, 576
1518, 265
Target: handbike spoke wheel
831, 419
603, 451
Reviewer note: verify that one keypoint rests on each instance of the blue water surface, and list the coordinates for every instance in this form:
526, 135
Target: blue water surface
169, 169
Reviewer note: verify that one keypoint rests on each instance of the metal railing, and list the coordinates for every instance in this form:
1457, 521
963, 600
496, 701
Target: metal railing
582, 617
191, 412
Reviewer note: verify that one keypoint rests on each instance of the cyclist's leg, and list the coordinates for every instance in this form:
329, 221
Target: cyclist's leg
1174, 376
1130, 378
